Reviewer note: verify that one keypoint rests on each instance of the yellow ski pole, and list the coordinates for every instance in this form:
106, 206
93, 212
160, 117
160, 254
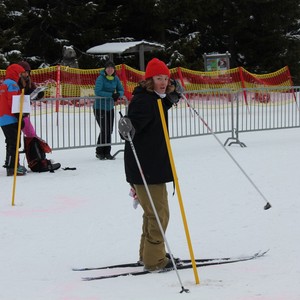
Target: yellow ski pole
163, 120
17, 147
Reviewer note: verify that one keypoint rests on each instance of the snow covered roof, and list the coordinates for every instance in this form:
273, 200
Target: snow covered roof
125, 47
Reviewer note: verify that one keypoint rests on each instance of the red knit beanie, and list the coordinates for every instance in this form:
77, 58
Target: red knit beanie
156, 67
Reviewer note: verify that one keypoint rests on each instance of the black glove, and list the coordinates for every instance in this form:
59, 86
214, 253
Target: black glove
177, 86
125, 128
115, 96
175, 95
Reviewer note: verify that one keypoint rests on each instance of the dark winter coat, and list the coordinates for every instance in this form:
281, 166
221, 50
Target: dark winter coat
149, 140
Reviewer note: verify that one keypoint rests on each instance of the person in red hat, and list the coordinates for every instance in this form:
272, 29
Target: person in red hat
150, 146
14, 78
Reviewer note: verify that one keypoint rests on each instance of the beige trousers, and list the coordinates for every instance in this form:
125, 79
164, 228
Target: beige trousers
152, 246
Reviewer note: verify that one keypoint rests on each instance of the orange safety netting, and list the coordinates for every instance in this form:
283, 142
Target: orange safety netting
62, 81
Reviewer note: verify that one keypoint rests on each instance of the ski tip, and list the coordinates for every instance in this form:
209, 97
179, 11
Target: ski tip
265, 252
81, 269
261, 253
88, 278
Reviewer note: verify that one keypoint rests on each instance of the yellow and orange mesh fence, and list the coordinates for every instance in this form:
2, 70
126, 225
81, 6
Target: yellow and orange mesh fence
62, 81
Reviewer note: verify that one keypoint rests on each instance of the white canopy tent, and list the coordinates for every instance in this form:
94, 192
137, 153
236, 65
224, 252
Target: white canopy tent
126, 47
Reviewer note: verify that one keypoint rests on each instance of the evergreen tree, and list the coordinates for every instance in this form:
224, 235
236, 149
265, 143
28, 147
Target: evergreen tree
261, 35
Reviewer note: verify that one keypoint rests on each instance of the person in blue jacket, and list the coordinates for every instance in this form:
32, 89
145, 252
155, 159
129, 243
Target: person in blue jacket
109, 89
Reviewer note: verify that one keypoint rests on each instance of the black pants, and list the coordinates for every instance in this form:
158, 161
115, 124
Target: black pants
11, 134
105, 120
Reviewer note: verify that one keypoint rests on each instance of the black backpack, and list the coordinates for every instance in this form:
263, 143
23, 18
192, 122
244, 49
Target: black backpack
35, 151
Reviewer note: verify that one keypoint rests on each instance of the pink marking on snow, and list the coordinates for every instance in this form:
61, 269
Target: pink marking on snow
59, 205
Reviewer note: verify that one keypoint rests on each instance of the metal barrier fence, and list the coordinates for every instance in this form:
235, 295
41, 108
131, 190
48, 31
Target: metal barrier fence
70, 122
264, 109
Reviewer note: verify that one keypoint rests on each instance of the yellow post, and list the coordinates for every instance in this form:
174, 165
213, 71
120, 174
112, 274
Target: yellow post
163, 120
17, 147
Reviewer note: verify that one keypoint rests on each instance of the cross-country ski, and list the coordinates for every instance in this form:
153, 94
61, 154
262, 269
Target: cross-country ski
182, 264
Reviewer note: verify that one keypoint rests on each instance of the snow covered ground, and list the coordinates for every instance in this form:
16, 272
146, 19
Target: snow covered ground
85, 218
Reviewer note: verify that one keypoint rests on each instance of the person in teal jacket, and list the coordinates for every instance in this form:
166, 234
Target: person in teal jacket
109, 89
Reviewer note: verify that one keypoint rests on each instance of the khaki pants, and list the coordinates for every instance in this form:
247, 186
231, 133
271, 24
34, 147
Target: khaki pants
152, 246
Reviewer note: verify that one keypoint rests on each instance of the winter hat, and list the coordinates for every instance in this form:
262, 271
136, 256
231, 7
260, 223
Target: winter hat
13, 72
156, 67
25, 65
109, 64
